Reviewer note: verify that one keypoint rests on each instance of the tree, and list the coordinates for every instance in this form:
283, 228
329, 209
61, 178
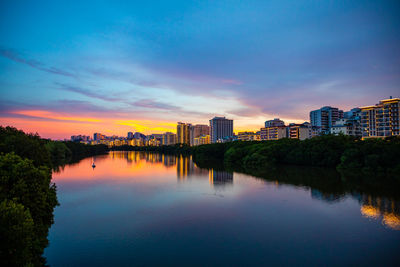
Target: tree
29, 146
30, 186
16, 234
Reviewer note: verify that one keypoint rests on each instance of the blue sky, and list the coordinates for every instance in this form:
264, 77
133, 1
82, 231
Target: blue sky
144, 65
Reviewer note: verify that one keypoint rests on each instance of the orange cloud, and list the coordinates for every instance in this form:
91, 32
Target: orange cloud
52, 115
147, 125
57, 125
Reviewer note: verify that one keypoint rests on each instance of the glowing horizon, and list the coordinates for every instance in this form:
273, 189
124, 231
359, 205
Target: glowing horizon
136, 67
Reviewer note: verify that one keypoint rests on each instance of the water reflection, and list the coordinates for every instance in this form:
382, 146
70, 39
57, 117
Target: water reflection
382, 209
323, 185
185, 167
220, 178
136, 204
324, 196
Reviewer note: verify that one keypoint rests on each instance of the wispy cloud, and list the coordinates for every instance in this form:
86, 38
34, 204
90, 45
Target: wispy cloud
231, 81
44, 115
87, 92
152, 104
62, 105
18, 57
245, 112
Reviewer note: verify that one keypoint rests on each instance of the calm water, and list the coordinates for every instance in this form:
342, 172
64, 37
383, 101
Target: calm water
146, 209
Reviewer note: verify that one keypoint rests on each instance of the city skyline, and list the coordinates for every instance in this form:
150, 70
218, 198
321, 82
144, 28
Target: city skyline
68, 68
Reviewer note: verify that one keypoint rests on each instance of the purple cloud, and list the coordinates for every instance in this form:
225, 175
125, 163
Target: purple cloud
148, 103
87, 92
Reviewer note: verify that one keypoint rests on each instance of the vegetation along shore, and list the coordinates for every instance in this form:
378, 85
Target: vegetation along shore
349, 155
27, 195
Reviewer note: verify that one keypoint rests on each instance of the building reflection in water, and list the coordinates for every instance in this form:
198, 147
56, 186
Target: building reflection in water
328, 197
135, 157
378, 208
383, 209
185, 167
220, 178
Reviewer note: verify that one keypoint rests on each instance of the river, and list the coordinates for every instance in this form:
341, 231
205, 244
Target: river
138, 208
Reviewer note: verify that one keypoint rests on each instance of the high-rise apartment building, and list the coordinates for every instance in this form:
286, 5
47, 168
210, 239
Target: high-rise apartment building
273, 133
382, 119
136, 142
249, 136
274, 129
130, 135
221, 129
274, 123
201, 140
169, 139
138, 135
183, 133
197, 131
325, 118
80, 138
98, 136
350, 124
298, 131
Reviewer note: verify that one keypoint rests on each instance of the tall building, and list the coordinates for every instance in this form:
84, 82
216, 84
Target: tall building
354, 112
350, 124
273, 133
298, 131
248, 136
138, 135
274, 123
98, 136
80, 138
130, 135
382, 119
183, 133
221, 129
197, 131
325, 118
135, 142
345, 127
201, 140
169, 139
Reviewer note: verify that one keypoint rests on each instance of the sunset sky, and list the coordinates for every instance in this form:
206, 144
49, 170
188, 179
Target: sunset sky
79, 67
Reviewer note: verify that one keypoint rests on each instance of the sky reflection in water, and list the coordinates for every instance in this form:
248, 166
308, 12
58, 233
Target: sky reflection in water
143, 209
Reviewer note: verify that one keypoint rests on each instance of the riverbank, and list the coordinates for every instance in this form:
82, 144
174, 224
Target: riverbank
28, 195
139, 200
350, 156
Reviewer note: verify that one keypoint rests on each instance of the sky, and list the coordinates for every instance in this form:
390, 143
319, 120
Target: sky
79, 67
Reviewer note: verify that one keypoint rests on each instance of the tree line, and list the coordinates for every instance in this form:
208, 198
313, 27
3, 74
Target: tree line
349, 155
378, 157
